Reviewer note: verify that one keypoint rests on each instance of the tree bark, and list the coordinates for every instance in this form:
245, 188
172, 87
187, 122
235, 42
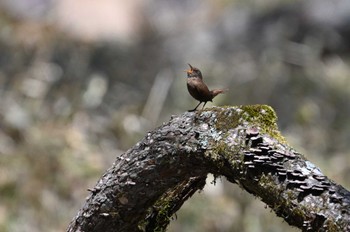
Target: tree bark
147, 184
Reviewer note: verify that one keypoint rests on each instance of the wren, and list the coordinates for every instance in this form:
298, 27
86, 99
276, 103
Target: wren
198, 89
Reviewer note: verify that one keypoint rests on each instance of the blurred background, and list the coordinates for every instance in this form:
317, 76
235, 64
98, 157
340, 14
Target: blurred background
83, 81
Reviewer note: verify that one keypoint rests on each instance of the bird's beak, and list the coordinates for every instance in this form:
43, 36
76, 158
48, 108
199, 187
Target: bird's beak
189, 70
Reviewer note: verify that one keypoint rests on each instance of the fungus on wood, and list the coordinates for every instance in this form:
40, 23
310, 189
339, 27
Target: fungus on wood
148, 183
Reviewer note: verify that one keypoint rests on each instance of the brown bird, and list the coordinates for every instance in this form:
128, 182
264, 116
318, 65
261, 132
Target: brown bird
198, 89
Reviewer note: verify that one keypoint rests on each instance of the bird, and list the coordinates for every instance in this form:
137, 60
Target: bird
198, 89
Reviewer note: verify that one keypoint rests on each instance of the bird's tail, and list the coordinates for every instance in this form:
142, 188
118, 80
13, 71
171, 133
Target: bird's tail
215, 92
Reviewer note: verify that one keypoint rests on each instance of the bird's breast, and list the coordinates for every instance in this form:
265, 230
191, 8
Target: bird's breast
198, 89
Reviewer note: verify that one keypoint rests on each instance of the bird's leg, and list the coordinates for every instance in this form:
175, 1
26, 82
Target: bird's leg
195, 108
204, 105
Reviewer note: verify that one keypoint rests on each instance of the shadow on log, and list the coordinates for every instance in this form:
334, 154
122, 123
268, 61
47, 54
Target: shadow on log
147, 184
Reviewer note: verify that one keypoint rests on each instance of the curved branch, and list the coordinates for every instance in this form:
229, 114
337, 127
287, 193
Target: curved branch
150, 182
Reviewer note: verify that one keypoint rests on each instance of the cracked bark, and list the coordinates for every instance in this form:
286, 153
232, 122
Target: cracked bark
147, 184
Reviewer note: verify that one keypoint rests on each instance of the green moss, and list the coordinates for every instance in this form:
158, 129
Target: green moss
265, 118
332, 226
225, 118
163, 217
262, 116
267, 183
161, 211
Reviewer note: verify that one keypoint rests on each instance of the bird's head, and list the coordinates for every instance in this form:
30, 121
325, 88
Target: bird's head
193, 72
